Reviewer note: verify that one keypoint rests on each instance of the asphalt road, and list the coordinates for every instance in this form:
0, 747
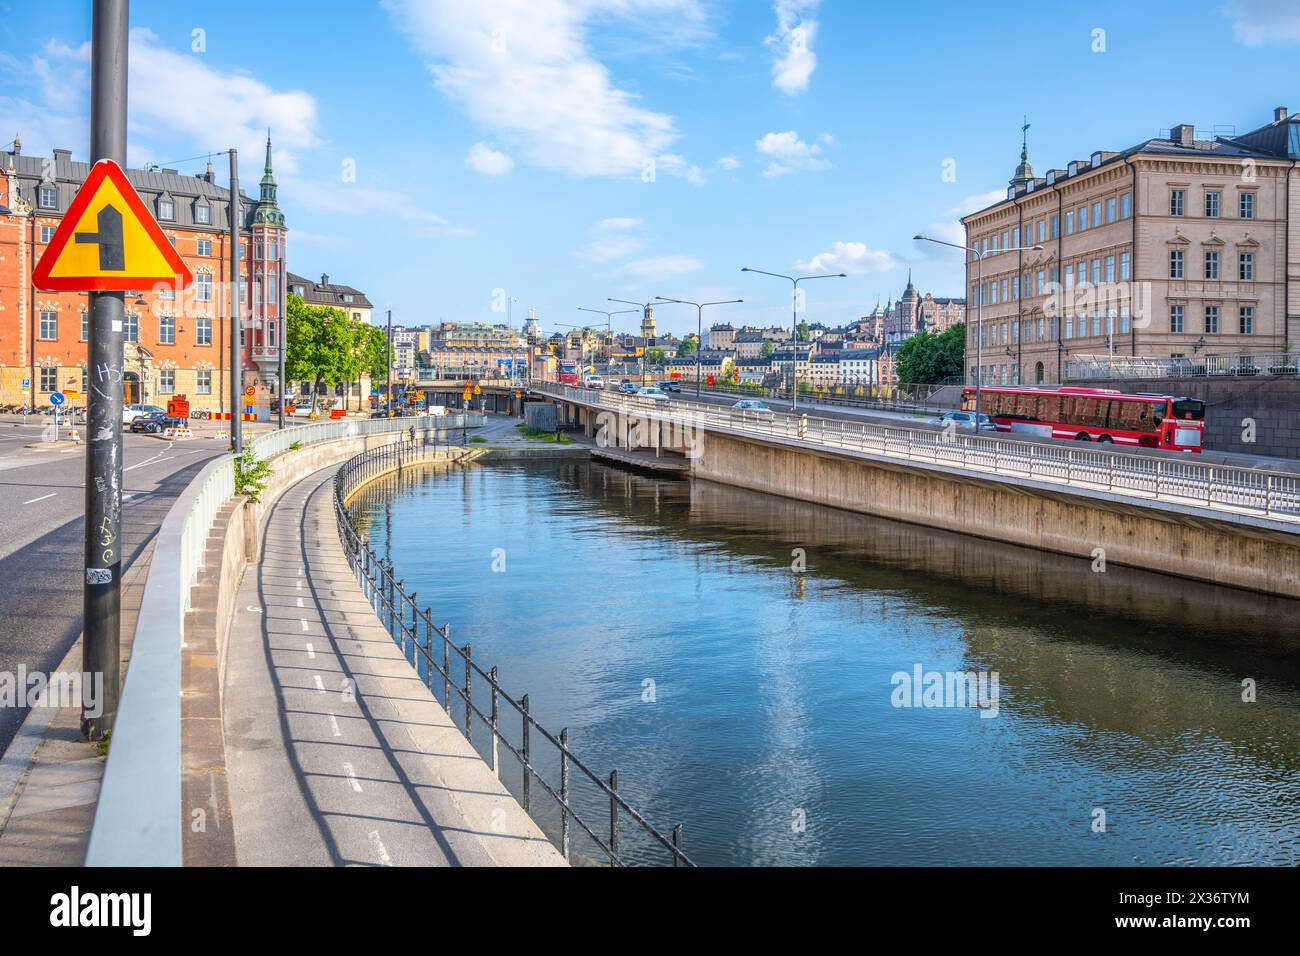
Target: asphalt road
41, 536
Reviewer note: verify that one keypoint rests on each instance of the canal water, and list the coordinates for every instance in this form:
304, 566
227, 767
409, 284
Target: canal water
739, 658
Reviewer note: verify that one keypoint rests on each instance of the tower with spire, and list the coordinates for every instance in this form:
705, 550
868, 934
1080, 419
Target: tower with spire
1024, 172
266, 278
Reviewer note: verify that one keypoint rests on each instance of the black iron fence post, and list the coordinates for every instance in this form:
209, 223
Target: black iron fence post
469, 710
523, 749
564, 792
492, 679
613, 815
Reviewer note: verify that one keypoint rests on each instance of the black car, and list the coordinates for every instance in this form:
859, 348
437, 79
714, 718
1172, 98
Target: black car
149, 424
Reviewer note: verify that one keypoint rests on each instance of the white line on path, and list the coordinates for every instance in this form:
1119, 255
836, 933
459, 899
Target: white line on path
320, 684
46, 498
352, 777
305, 627
334, 723
378, 844
300, 602
311, 653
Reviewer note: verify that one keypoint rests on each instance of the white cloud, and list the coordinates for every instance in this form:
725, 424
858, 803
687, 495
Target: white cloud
729, 163
788, 153
675, 165
660, 269
615, 223
951, 229
523, 70
792, 45
482, 158
853, 258
165, 86
1260, 22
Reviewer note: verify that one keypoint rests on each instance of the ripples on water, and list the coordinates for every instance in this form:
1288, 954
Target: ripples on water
1119, 691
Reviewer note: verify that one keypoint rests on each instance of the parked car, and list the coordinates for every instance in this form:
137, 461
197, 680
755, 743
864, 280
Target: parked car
655, 395
131, 412
149, 424
965, 421
753, 409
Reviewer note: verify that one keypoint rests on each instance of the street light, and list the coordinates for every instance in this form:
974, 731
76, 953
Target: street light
699, 312
609, 325
794, 323
645, 307
979, 310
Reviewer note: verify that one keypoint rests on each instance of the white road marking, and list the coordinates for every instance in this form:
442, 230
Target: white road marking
352, 777
378, 844
300, 602
305, 627
311, 653
334, 723
46, 498
320, 685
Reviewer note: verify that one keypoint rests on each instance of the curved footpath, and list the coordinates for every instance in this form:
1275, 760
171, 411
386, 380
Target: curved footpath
336, 752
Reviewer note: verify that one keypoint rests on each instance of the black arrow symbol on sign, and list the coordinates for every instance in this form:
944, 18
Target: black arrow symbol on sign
112, 253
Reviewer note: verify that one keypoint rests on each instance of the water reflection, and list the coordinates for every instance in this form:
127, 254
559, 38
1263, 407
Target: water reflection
771, 735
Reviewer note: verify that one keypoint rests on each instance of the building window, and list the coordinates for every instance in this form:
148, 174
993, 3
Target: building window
85, 326
1096, 324
47, 197
1125, 266
1211, 320
1176, 318
1212, 266
1176, 202
203, 287
1110, 268
1176, 264
1246, 266
1096, 271
1110, 209
166, 209
49, 324
1042, 230
1125, 321
1212, 205
1096, 213
1083, 218
1246, 206
1056, 226
47, 233
166, 381
1247, 325
131, 327
203, 216
1125, 205
1069, 326
167, 330
1041, 287
203, 381
205, 247
49, 380
203, 332
1069, 223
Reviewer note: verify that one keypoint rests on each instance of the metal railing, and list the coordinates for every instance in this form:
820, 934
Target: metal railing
1238, 364
1224, 488
453, 666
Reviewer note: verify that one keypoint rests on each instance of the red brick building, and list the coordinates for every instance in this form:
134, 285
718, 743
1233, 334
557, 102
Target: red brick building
177, 341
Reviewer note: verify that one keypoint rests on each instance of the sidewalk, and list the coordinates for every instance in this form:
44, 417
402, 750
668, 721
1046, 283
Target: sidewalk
337, 754
50, 777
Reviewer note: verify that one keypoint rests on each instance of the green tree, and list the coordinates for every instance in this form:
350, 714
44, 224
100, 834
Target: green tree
654, 356
687, 347
803, 332
931, 357
768, 348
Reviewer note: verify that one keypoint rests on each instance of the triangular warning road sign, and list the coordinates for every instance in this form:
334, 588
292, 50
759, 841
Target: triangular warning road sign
109, 241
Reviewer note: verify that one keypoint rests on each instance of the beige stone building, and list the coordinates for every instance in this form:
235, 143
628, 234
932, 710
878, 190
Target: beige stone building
1176, 246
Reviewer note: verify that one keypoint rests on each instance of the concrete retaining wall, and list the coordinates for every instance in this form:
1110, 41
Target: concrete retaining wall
1182, 542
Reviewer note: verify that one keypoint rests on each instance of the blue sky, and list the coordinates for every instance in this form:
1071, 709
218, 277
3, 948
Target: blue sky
435, 152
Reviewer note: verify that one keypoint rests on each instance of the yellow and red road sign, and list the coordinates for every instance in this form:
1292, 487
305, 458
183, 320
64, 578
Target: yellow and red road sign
109, 241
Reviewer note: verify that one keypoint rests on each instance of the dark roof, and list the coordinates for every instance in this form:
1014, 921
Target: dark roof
187, 192
327, 293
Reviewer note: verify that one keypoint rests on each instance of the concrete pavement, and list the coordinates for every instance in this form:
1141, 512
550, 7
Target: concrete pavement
337, 754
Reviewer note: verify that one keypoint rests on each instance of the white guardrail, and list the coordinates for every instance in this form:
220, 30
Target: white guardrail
1223, 488
138, 819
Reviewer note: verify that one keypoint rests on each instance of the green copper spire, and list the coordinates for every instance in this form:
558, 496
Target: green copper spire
268, 211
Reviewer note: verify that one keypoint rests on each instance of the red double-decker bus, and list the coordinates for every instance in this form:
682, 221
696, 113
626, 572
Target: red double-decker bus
568, 373
1094, 414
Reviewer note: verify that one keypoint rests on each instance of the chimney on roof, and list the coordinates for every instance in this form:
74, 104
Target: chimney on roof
63, 155
1280, 115
324, 279
1184, 134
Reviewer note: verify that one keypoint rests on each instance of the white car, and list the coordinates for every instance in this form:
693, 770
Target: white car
752, 408
653, 394
965, 421
594, 381
131, 412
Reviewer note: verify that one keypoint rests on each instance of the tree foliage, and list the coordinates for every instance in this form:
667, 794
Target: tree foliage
325, 346
931, 357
